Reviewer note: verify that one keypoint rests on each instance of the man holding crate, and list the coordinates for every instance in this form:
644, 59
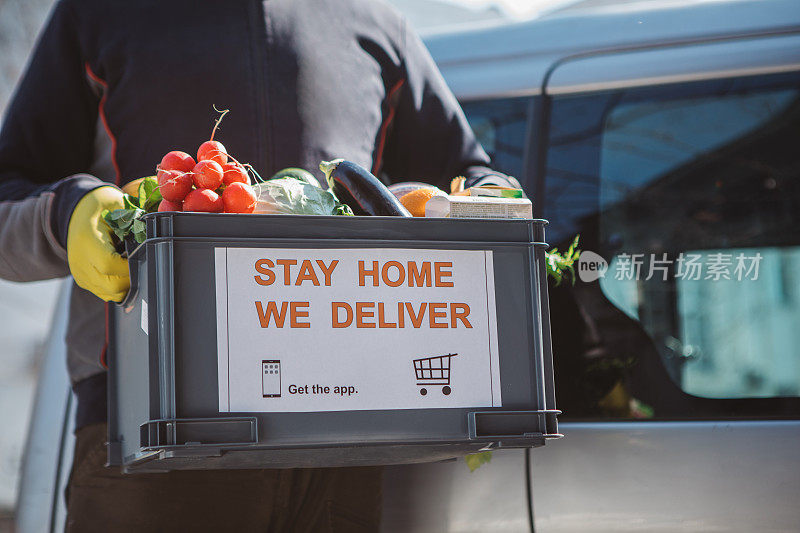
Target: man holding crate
111, 87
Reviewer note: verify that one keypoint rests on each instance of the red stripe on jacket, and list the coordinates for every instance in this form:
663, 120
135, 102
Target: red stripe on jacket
392, 105
102, 112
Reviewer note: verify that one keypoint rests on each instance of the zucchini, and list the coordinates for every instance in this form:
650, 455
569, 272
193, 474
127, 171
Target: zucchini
363, 192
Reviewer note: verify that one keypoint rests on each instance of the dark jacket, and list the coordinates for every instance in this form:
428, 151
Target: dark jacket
113, 85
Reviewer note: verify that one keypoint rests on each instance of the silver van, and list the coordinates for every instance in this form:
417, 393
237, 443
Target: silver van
668, 136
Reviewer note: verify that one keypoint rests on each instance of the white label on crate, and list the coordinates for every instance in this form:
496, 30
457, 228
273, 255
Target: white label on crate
144, 317
355, 329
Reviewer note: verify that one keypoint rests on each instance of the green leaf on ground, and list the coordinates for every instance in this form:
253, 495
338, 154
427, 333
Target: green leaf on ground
475, 460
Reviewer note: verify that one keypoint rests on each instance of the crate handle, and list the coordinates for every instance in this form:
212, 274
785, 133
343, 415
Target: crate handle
200, 432
541, 424
134, 257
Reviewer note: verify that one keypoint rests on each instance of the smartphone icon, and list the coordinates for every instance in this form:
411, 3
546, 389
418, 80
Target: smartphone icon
271, 379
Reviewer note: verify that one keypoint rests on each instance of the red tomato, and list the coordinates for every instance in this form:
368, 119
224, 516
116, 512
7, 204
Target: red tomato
177, 160
166, 205
239, 198
212, 151
234, 173
207, 175
174, 184
204, 201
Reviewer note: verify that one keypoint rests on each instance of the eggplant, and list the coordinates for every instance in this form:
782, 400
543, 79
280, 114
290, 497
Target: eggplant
363, 192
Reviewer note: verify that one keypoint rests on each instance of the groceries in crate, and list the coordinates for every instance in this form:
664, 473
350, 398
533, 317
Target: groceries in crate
457, 189
478, 207
485, 201
405, 187
215, 183
492, 191
415, 200
288, 194
362, 191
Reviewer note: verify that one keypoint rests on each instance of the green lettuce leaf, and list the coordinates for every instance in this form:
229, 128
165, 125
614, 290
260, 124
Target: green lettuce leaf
293, 196
149, 194
298, 174
562, 265
475, 460
127, 221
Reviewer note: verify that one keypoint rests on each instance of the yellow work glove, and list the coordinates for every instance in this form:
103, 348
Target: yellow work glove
94, 263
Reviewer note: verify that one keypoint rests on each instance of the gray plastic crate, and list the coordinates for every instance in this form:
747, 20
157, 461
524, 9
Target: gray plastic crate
164, 401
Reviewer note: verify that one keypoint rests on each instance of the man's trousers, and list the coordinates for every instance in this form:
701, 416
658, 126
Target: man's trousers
102, 499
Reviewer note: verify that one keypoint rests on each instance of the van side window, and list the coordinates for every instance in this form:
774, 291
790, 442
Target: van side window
501, 127
691, 193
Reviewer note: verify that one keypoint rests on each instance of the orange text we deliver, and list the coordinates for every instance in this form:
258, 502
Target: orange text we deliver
385, 315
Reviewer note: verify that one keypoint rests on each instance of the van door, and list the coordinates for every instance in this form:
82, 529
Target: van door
447, 496
678, 370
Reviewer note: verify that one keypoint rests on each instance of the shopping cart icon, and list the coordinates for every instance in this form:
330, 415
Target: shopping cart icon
434, 371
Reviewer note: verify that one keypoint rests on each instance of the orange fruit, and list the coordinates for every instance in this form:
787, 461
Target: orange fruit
415, 200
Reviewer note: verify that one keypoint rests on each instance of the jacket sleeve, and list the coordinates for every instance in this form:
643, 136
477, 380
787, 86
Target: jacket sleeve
46, 142
429, 138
